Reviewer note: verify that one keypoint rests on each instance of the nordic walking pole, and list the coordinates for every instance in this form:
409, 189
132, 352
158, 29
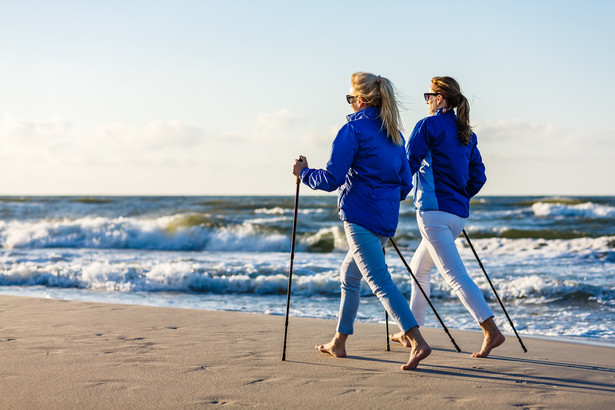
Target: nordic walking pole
386, 320
425, 295
292, 257
494, 291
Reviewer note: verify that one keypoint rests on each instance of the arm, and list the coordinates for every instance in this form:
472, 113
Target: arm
344, 148
477, 171
406, 178
418, 146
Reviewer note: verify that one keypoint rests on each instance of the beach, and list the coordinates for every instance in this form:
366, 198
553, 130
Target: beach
73, 354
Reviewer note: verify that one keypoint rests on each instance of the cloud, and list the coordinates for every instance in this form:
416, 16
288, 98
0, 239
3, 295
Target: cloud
20, 131
527, 141
514, 129
279, 120
56, 142
155, 136
287, 128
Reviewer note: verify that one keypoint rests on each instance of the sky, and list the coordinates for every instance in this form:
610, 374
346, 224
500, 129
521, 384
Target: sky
218, 97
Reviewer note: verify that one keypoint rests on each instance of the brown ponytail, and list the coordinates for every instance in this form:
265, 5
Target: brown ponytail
379, 92
451, 92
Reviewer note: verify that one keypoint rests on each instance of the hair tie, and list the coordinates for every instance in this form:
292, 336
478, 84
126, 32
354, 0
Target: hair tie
378, 79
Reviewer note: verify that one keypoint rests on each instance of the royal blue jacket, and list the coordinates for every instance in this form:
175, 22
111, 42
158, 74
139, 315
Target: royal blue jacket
371, 172
446, 172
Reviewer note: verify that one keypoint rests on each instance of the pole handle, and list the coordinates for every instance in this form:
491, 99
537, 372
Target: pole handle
300, 159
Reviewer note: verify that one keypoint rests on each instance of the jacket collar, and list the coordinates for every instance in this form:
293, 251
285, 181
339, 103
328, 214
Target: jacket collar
370, 113
441, 111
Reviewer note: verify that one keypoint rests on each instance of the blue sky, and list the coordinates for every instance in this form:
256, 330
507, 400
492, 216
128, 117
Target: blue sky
204, 98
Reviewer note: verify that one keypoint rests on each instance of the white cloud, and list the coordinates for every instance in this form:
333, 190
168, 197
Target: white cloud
15, 130
514, 129
156, 136
526, 141
287, 128
55, 141
279, 120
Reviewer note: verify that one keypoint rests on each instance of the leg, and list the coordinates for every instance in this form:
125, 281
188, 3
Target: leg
420, 348
336, 347
350, 284
350, 278
369, 257
492, 338
441, 229
366, 248
421, 266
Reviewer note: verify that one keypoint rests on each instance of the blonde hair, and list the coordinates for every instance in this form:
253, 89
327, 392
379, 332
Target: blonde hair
379, 92
451, 92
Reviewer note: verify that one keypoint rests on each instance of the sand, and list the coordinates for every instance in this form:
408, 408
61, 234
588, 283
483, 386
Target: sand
69, 354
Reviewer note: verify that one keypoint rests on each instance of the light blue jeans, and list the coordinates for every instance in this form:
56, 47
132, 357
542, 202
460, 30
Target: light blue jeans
365, 260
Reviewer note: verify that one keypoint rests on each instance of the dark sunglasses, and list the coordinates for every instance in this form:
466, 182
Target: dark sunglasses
349, 98
428, 95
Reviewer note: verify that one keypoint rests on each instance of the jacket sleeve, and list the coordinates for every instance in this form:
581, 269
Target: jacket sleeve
418, 146
344, 148
477, 171
406, 178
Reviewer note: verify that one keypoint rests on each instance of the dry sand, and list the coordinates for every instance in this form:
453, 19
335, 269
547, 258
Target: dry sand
67, 354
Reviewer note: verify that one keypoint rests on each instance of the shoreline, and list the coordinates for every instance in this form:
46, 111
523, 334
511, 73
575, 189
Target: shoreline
566, 339
59, 353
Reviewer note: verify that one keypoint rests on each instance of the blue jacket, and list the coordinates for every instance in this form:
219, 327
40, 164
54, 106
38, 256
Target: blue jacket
449, 173
371, 172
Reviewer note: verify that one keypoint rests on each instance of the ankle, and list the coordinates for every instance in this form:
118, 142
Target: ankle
339, 338
415, 337
490, 329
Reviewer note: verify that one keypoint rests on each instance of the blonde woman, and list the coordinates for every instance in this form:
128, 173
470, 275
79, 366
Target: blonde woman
369, 166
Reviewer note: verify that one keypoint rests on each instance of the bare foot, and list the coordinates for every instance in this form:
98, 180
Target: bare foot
332, 349
418, 353
400, 337
490, 343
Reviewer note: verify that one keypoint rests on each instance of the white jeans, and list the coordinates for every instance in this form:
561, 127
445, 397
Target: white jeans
365, 260
437, 248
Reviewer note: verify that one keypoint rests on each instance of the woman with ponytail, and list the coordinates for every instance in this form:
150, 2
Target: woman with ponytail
368, 164
448, 171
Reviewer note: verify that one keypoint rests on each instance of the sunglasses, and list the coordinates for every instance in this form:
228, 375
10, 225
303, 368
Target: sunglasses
349, 98
429, 95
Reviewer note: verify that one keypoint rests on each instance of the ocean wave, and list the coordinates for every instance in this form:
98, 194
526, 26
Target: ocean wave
241, 277
600, 247
93, 200
260, 275
185, 232
553, 200
176, 232
289, 211
588, 210
541, 290
516, 233
14, 199
272, 211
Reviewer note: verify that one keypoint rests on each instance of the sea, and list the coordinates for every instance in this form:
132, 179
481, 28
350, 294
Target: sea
551, 259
